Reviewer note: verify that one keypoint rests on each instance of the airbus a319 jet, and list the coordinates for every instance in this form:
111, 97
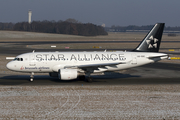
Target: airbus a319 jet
71, 65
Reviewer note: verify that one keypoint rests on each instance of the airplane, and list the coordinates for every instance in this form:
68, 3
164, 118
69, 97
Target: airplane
73, 65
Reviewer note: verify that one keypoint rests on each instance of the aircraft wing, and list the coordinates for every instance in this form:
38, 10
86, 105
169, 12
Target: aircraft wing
95, 65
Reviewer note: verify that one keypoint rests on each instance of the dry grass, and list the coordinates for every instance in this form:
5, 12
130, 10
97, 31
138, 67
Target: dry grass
31, 36
9, 36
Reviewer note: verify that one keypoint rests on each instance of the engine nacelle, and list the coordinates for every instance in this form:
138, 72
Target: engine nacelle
67, 74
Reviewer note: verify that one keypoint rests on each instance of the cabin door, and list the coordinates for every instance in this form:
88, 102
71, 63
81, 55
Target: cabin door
134, 59
32, 60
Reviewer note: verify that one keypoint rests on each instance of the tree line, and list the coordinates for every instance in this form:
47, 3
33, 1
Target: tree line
70, 26
6, 26
73, 27
133, 27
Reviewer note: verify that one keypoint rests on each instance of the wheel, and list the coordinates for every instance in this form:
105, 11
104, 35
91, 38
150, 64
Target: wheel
31, 79
89, 79
82, 77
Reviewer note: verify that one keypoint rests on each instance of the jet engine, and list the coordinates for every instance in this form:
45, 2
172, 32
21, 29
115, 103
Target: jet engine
67, 74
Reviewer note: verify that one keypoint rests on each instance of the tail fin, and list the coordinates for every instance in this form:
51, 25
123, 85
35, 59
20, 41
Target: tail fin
151, 42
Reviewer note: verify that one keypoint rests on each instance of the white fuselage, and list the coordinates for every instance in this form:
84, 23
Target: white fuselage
53, 61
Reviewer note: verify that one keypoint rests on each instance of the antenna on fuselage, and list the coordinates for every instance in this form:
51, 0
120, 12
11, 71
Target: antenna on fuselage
33, 51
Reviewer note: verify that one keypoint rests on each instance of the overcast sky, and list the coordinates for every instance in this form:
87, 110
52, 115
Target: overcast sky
109, 12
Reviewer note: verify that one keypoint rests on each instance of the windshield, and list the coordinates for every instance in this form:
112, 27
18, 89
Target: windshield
18, 59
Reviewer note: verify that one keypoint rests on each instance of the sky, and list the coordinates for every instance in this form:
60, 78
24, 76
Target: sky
109, 12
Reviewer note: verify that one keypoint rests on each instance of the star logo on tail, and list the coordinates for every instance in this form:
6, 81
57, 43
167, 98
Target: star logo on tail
152, 42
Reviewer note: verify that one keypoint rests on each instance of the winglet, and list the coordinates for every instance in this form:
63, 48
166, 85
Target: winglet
151, 42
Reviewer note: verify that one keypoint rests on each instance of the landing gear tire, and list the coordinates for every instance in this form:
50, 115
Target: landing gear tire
31, 79
89, 79
82, 77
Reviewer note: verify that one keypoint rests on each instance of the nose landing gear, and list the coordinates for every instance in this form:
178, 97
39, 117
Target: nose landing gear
32, 76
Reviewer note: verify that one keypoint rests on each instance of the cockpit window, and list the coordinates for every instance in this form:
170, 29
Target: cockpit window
18, 59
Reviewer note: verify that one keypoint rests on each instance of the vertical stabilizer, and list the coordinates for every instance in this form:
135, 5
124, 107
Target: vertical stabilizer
151, 42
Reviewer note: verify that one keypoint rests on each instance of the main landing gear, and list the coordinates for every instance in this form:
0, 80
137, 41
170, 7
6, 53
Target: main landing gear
32, 76
84, 78
89, 79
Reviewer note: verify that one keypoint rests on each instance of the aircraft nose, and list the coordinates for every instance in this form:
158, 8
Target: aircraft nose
9, 66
